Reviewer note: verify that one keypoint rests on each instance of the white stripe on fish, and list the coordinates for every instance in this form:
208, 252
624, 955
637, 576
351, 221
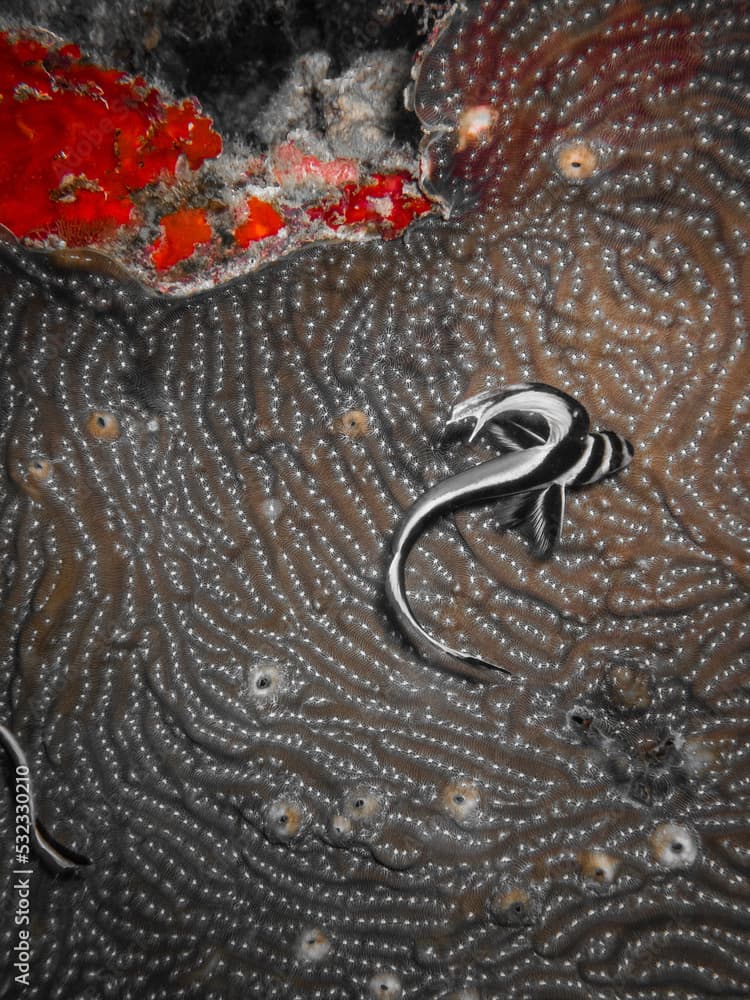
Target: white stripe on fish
548, 448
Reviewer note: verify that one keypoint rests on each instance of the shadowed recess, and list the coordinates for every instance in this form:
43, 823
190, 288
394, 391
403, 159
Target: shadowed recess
279, 796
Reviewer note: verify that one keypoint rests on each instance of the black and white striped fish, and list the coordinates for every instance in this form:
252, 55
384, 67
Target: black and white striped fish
548, 448
58, 857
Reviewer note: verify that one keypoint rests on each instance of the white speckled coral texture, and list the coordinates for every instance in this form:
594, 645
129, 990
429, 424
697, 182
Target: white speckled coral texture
280, 797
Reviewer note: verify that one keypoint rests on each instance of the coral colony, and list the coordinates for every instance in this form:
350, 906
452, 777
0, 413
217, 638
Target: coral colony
228, 772
102, 157
83, 141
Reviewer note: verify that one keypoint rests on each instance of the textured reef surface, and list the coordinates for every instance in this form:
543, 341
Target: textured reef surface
107, 161
279, 796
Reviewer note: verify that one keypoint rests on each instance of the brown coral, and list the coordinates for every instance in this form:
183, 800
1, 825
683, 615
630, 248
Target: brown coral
151, 598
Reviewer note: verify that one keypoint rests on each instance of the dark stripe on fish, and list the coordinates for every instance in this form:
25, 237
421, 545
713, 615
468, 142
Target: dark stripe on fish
57, 856
610, 452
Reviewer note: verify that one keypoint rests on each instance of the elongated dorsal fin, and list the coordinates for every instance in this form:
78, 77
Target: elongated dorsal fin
523, 431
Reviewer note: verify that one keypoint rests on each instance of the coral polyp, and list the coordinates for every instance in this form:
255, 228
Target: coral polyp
577, 160
279, 795
104, 426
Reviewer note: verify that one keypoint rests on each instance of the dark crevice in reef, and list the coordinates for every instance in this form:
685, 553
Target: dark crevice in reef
254, 58
231, 54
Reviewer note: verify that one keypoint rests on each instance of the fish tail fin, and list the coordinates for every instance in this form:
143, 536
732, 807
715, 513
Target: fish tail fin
478, 661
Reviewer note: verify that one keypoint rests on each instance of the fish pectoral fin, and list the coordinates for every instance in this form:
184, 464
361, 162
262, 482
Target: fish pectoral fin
514, 510
504, 438
542, 526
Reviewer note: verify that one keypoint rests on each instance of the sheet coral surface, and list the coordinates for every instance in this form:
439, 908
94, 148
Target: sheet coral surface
280, 797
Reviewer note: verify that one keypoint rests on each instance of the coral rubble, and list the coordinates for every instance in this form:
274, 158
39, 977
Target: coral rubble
279, 797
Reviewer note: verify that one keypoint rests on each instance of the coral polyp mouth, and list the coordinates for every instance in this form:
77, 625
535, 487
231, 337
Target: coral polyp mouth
578, 161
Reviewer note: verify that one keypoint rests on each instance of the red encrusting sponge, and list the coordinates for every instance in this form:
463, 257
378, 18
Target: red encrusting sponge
93, 157
78, 141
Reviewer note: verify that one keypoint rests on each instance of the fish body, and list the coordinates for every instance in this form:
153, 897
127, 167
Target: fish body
56, 856
548, 449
